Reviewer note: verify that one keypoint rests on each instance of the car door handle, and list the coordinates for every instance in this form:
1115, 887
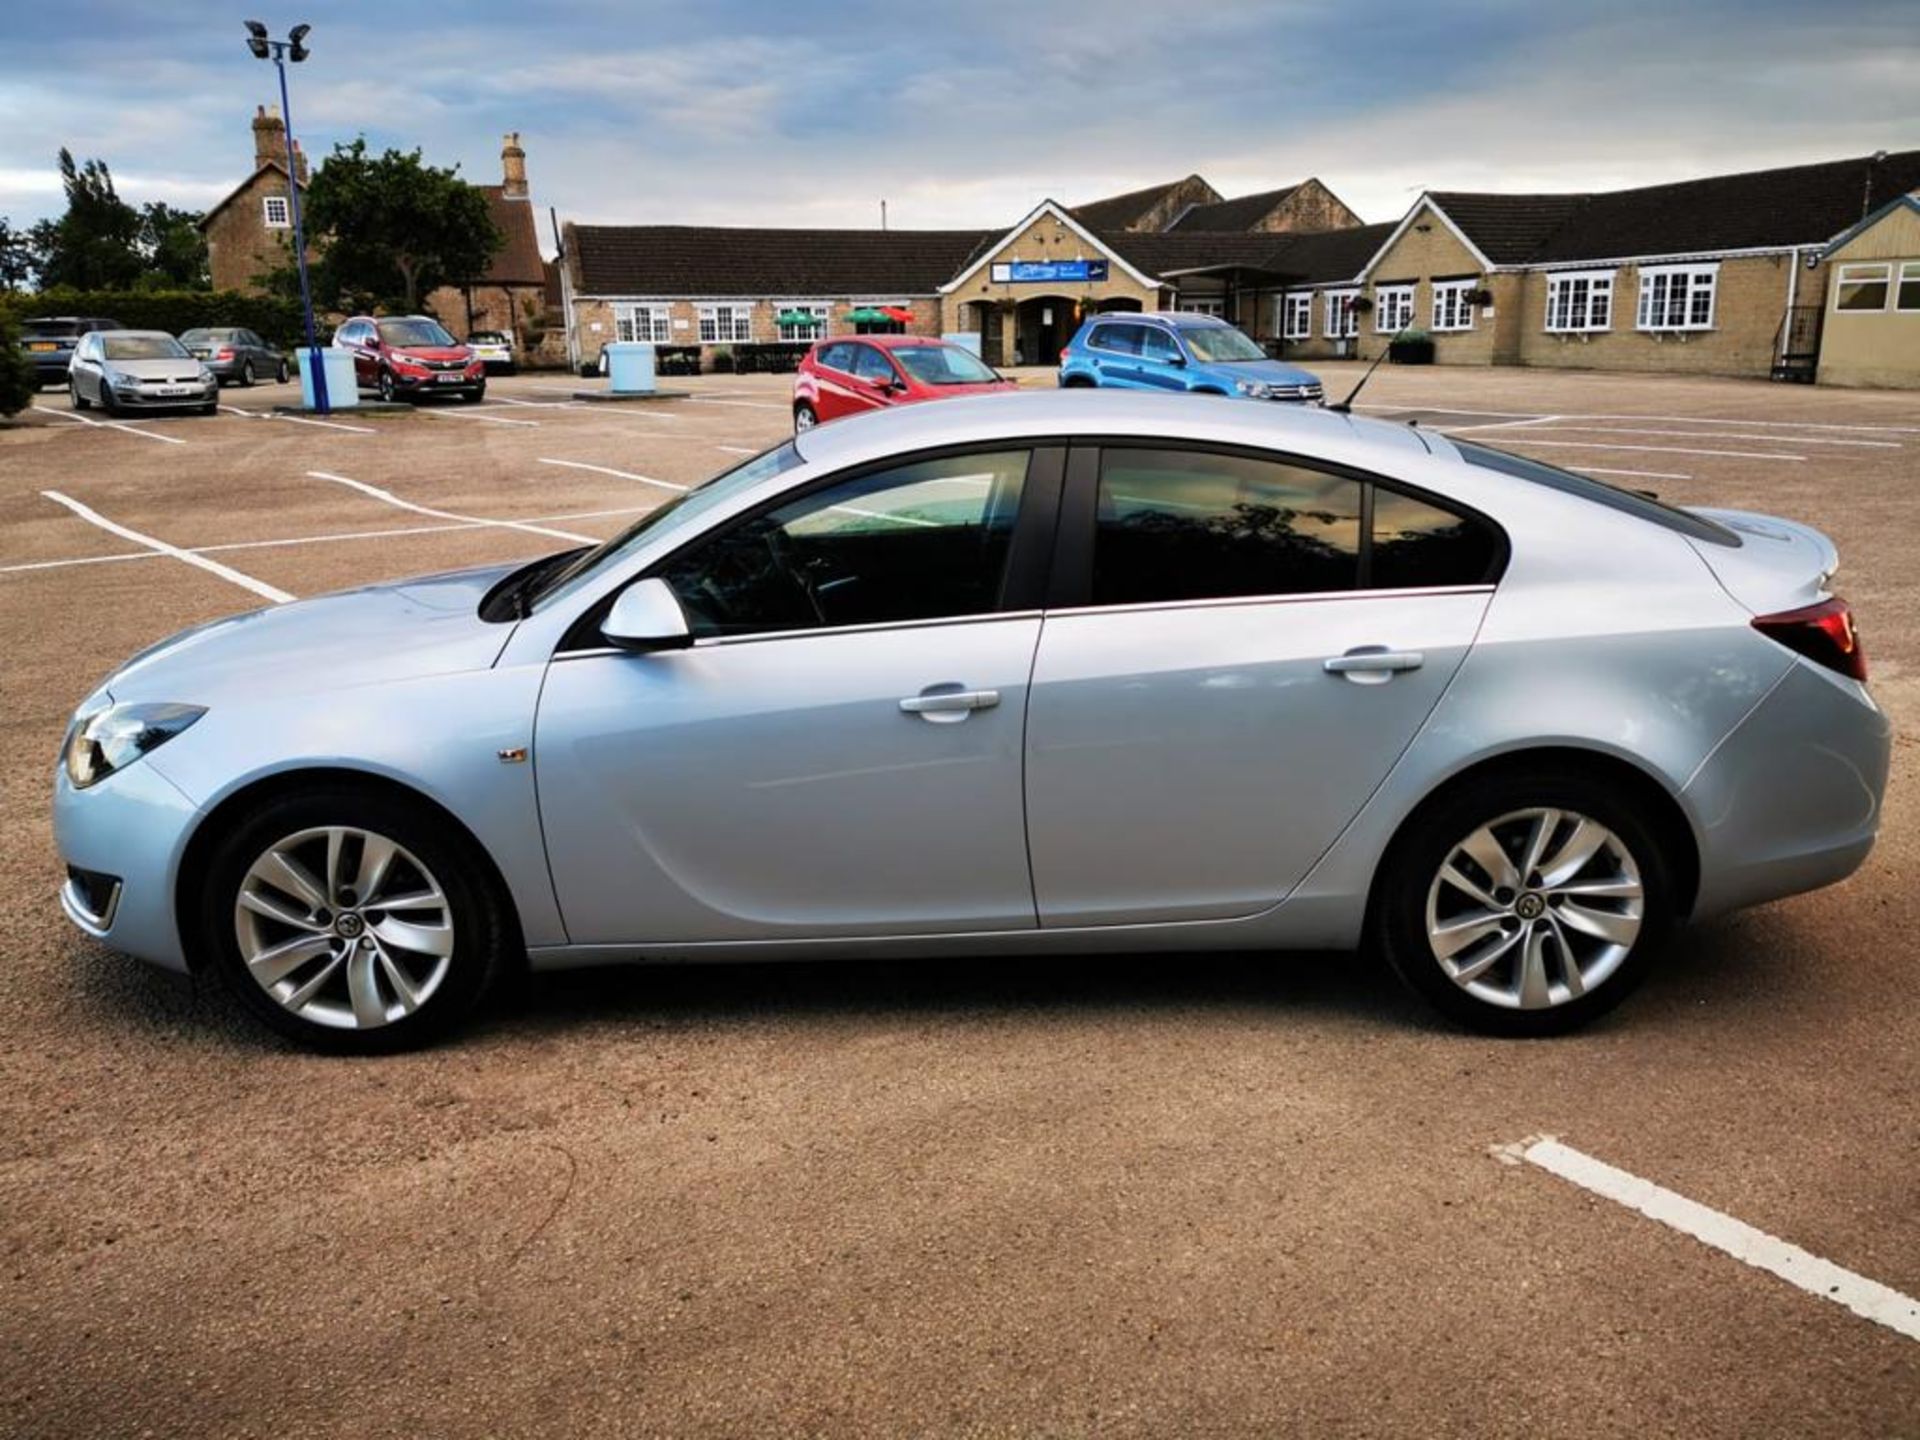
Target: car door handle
1372, 664
942, 704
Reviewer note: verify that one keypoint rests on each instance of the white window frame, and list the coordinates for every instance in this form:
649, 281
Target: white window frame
1670, 297
652, 324
268, 204
1453, 304
1203, 305
1881, 272
1342, 321
1392, 308
1909, 275
726, 322
822, 314
1296, 310
1579, 302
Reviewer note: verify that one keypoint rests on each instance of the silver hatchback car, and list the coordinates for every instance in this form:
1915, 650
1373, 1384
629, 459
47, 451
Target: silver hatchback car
1080, 671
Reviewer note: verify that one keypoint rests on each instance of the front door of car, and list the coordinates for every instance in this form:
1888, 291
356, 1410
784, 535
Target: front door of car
839, 750
1241, 650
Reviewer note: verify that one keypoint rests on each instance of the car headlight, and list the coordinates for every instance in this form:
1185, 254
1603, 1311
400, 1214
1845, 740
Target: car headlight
112, 739
122, 382
1253, 389
206, 375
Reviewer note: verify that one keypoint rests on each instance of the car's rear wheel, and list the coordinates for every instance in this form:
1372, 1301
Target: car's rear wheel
353, 922
385, 386
804, 417
246, 373
1527, 903
280, 375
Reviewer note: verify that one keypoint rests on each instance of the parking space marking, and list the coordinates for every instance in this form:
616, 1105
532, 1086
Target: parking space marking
535, 404
1638, 474
1868, 1299
1664, 419
300, 420
737, 449
199, 562
617, 474
1560, 424
375, 492
743, 404
1655, 449
106, 424
470, 415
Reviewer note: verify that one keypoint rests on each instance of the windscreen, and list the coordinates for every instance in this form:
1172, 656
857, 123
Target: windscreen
414, 332
943, 365
144, 347
49, 329
1217, 344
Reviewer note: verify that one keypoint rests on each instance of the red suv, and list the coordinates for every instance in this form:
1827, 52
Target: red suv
852, 376
411, 355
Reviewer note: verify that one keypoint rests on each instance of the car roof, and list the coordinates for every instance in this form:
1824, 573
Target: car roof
1044, 414
136, 334
890, 342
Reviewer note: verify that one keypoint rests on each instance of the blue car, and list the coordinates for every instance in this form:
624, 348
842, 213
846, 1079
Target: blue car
1171, 350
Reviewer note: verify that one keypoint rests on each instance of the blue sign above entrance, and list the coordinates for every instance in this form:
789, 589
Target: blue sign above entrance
1030, 272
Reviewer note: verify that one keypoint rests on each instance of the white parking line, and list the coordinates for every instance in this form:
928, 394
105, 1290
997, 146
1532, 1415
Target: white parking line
301, 420
199, 562
1663, 419
1653, 449
534, 404
472, 415
1493, 424
617, 474
107, 424
737, 449
743, 404
1691, 434
451, 527
1868, 1299
375, 492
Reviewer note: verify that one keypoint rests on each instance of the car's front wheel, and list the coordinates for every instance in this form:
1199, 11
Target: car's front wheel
352, 921
79, 401
1526, 903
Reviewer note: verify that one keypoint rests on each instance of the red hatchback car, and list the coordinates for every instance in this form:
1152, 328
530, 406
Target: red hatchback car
400, 355
852, 376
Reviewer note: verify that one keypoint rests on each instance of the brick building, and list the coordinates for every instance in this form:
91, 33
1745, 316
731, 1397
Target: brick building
512, 295
1726, 275
250, 232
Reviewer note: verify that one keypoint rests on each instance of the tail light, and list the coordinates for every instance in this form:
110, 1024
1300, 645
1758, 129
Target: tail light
1824, 633
224, 355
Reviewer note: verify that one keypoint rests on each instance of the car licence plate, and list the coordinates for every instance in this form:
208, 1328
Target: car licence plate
451, 379
176, 389
41, 345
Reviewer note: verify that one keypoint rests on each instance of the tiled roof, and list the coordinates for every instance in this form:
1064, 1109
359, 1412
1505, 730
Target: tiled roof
719, 261
1793, 205
1119, 212
1314, 258
1241, 213
518, 261
1327, 256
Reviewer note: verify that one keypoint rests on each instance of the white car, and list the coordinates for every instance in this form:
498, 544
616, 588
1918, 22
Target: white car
496, 348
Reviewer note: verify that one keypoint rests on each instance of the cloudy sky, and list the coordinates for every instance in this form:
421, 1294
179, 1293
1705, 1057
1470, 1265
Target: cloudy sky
778, 113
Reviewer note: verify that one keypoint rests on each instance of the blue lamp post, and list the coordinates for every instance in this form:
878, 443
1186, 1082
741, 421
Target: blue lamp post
294, 48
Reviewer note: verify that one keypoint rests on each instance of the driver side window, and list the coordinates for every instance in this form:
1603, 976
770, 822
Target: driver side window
923, 541
870, 364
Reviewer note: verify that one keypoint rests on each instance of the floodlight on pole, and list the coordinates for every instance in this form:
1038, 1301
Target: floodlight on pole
294, 48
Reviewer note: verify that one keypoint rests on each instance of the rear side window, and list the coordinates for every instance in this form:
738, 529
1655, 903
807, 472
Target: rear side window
1201, 525
1181, 525
1632, 502
1122, 339
836, 357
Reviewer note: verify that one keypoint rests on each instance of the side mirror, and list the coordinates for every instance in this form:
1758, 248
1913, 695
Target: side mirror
647, 617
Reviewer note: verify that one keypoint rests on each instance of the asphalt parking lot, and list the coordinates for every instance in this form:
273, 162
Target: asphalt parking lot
1235, 1195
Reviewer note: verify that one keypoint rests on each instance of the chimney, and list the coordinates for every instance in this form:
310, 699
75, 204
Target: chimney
299, 164
269, 138
513, 168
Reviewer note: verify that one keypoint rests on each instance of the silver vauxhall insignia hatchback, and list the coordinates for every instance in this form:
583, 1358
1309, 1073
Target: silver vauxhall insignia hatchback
1077, 671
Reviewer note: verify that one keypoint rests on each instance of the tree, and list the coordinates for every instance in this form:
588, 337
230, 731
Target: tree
395, 226
16, 256
95, 245
17, 378
172, 247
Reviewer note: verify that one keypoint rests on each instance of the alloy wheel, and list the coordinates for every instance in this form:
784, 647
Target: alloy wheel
386, 385
342, 927
1535, 909
803, 418
246, 373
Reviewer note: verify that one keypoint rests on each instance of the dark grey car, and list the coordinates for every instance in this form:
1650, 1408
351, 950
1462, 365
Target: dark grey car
49, 341
236, 355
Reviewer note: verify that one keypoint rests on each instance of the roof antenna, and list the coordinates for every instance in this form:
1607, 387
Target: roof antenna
1345, 407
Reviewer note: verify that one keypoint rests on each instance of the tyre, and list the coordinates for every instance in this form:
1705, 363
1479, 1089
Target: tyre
212, 407
352, 921
475, 395
385, 386
75, 398
1527, 903
804, 417
107, 402
1077, 382
246, 373
280, 375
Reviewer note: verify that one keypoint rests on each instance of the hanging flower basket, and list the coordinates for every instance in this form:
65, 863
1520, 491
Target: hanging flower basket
1361, 305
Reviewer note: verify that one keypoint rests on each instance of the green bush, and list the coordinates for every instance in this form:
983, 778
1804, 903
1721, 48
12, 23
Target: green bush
1411, 347
17, 380
275, 319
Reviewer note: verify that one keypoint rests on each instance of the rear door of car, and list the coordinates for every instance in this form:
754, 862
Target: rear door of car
1238, 646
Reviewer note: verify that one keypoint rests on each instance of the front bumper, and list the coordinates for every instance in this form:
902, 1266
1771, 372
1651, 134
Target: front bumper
1790, 801
131, 829
144, 399
437, 384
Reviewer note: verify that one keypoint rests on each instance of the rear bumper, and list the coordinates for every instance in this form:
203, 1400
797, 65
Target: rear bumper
1790, 801
49, 365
